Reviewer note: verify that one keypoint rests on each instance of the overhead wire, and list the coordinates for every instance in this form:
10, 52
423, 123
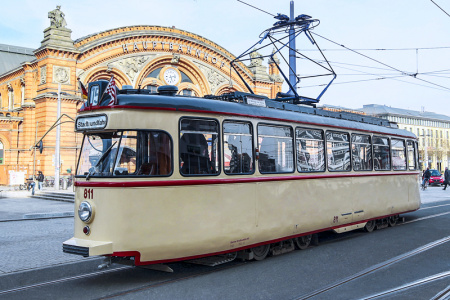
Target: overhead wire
393, 68
440, 8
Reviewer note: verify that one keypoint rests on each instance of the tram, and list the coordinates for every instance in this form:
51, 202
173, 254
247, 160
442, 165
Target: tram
163, 177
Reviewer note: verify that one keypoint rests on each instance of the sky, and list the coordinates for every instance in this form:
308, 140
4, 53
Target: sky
415, 36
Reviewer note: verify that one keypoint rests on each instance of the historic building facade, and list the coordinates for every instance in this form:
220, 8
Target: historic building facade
432, 130
140, 56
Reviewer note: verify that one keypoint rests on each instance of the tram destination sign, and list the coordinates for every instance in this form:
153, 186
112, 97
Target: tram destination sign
91, 122
256, 101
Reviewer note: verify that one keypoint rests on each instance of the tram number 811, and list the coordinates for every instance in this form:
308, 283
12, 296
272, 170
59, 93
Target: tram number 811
88, 194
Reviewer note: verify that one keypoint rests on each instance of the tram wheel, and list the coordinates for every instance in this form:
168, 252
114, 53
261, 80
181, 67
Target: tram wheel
370, 226
392, 220
260, 252
303, 242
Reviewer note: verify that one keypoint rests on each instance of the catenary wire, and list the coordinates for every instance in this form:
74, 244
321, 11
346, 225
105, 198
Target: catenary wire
256, 8
393, 68
440, 8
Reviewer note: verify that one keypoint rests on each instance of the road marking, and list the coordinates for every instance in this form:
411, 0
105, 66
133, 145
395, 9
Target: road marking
424, 218
434, 206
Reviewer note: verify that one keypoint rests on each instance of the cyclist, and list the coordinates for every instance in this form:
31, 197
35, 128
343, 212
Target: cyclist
426, 176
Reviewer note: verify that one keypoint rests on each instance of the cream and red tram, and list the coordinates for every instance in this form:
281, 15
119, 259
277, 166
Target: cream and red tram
165, 178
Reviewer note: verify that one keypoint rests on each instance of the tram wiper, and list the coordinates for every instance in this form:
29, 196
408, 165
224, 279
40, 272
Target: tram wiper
100, 160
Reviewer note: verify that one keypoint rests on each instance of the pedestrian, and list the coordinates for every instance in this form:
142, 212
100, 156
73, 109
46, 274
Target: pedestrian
446, 178
40, 179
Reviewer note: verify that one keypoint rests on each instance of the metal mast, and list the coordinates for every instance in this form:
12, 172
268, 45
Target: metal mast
292, 59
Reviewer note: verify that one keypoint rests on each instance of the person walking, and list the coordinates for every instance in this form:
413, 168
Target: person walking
446, 178
40, 179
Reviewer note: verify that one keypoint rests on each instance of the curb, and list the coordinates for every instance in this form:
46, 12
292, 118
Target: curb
25, 278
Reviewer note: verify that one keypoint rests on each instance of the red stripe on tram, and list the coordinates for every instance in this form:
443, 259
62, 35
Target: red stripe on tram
178, 182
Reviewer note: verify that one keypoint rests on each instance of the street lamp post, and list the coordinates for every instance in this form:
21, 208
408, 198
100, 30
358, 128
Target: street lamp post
58, 140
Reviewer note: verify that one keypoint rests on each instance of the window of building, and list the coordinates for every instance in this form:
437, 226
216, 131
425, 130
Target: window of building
238, 148
2, 158
338, 151
361, 152
187, 92
154, 73
199, 151
185, 78
398, 154
276, 149
381, 154
310, 150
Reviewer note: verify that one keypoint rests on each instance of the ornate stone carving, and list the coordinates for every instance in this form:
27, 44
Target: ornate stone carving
215, 79
56, 17
43, 75
130, 66
175, 58
61, 74
255, 59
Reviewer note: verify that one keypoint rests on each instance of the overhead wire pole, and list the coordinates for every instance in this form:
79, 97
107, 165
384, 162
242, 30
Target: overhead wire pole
58, 141
292, 56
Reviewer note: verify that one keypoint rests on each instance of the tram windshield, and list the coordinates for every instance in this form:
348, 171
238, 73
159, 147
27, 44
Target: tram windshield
126, 153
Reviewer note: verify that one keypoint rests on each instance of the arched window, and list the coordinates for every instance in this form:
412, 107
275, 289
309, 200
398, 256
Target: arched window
185, 78
154, 73
2, 161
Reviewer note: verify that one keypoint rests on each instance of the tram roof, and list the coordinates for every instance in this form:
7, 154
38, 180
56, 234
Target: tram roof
273, 110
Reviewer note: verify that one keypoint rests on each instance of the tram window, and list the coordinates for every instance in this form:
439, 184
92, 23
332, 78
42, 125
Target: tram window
237, 148
310, 150
276, 151
199, 140
338, 151
145, 153
126, 155
381, 154
98, 154
398, 154
154, 154
361, 152
411, 155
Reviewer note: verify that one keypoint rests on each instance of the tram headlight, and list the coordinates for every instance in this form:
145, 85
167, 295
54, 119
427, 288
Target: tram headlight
85, 211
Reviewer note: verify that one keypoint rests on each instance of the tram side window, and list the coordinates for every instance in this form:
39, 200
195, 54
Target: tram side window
237, 148
276, 149
361, 152
154, 154
310, 150
381, 154
398, 154
411, 155
199, 140
338, 151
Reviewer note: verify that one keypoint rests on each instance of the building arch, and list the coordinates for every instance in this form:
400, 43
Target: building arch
105, 73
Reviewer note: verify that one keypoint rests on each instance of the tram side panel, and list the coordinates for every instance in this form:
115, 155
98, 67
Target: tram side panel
171, 222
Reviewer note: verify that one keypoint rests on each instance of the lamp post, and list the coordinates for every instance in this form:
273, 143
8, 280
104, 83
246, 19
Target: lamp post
58, 140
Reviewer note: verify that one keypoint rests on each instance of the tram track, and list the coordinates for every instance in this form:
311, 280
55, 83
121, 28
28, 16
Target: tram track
375, 268
35, 219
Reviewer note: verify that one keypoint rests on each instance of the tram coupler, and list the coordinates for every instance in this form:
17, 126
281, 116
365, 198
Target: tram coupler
106, 263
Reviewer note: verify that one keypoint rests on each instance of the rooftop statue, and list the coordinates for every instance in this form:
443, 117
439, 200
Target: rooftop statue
56, 17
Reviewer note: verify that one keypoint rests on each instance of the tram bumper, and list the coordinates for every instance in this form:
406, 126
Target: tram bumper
87, 248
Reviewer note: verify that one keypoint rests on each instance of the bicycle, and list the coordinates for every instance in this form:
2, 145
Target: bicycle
425, 185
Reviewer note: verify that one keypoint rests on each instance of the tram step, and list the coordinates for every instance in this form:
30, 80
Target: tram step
212, 261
